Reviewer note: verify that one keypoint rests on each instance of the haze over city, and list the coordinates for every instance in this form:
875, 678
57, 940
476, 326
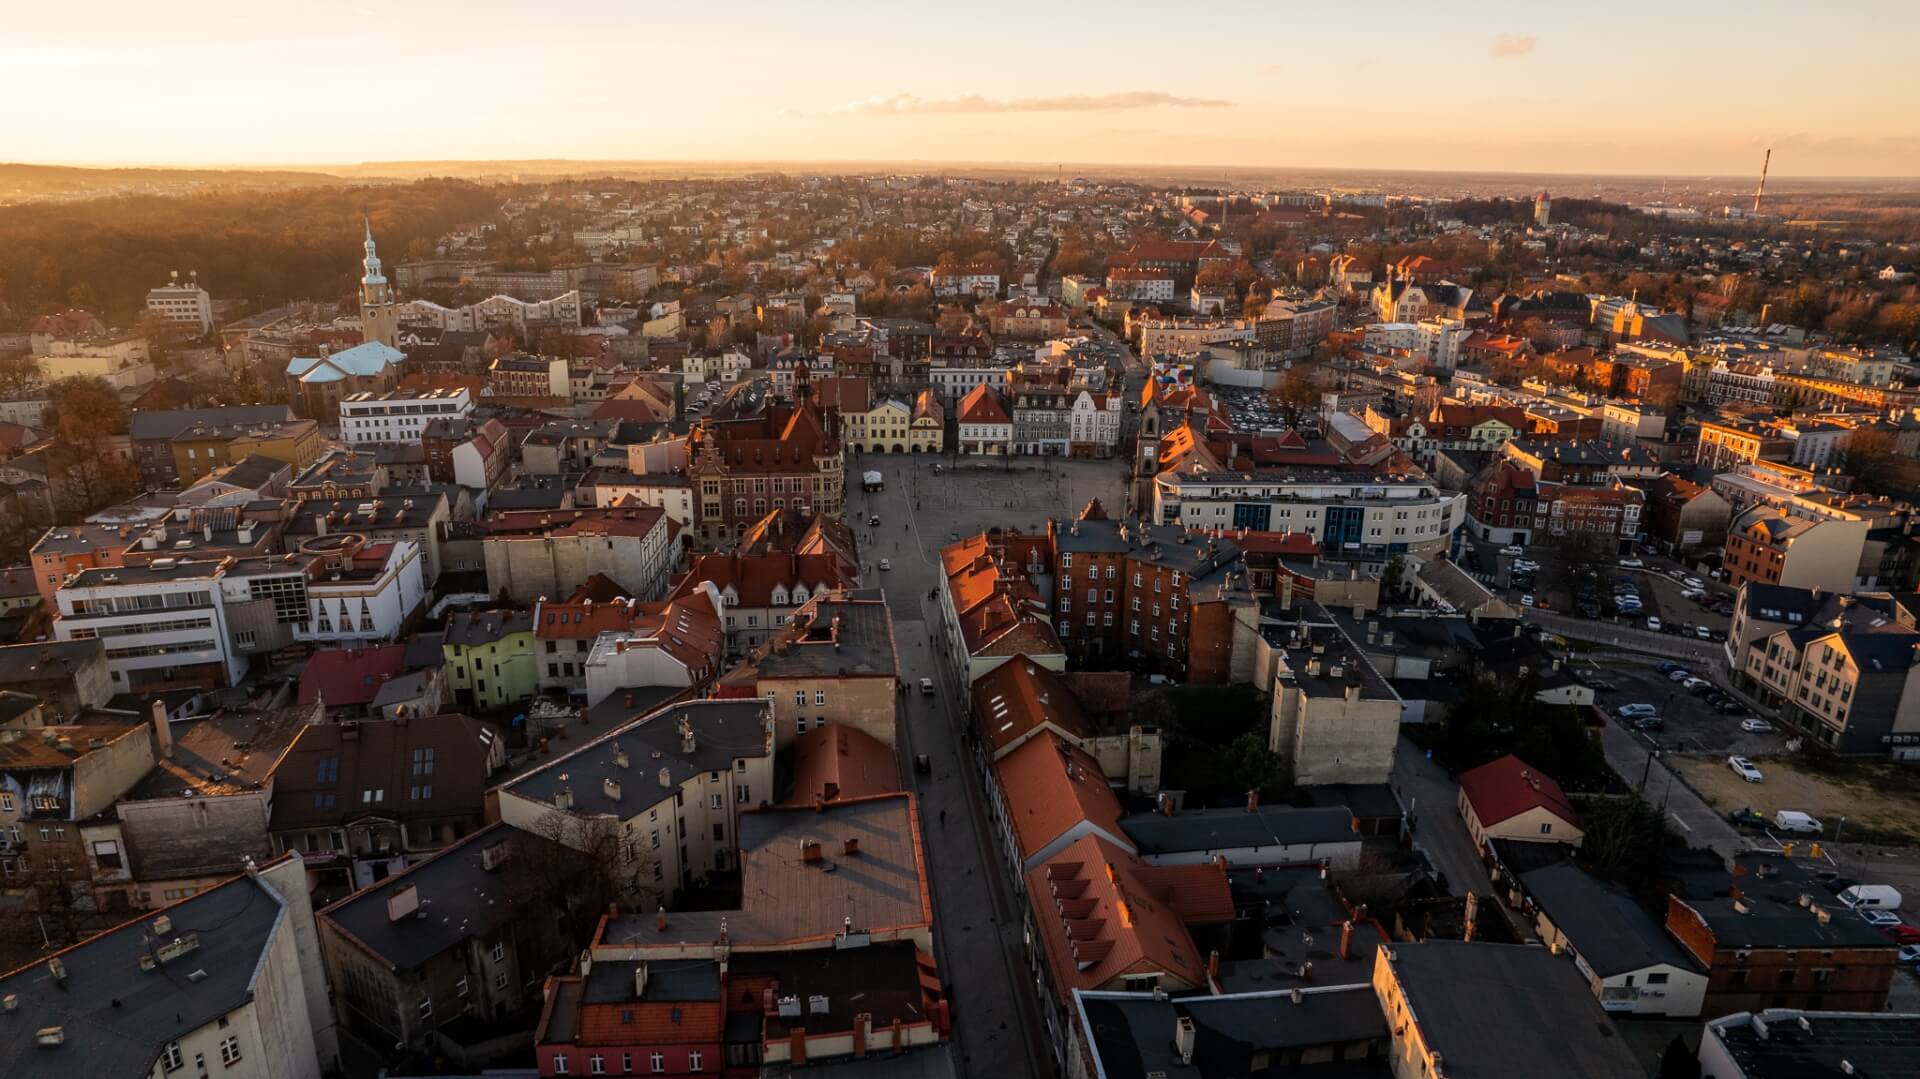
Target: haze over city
1635, 87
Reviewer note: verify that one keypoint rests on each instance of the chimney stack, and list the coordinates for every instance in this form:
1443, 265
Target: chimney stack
162, 730
1473, 911
660, 919
1253, 800
1346, 939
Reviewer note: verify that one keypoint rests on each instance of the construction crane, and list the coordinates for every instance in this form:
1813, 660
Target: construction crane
1761, 191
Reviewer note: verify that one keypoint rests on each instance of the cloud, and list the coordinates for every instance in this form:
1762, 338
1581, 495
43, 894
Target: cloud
1509, 46
905, 104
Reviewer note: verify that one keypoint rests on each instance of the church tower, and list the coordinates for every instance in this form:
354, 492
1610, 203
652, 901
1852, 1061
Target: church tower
379, 317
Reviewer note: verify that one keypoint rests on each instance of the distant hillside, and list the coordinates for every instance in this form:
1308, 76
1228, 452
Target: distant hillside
32, 183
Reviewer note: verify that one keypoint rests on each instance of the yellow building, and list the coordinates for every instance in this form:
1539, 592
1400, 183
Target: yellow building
202, 448
888, 428
927, 434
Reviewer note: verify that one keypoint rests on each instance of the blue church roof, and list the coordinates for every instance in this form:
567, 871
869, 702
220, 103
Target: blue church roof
359, 361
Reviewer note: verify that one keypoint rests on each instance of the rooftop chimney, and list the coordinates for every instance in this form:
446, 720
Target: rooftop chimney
162, 730
1183, 1035
403, 902
1253, 800
809, 850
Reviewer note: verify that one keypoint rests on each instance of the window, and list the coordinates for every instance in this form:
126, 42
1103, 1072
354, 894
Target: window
423, 761
422, 792
500, 982
170, 1057
460, 988
6, 801
329, 770
1546, 829
1658, 977
717, 800
658, 1061
560, 1064
425, 1008
740, 794
596, 1065
693, 1060
819, 697
800, 700
500, 952
230, 1051
106, 852
800, 723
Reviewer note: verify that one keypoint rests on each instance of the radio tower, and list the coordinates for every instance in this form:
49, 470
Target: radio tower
1762, 190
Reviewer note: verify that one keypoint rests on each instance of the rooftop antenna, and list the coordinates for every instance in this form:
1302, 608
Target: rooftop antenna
1762, 189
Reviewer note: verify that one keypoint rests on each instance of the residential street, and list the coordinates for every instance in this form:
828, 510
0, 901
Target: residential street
1432, 798
977, 919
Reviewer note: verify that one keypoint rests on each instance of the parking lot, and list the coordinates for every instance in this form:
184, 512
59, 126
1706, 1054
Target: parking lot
1688, 723
1655, 582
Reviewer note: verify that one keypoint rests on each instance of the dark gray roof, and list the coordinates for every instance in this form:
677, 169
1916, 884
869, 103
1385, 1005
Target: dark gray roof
1500, 1010
723, 731
168, 423
386, 513
1363, 800
252, 471
468, 628
1202, 558
1299, 920
160, 569
1131, 1034
1609, 930
39, 661
1222, 829
461, 898
1883, 1046
861, 646
118, 1017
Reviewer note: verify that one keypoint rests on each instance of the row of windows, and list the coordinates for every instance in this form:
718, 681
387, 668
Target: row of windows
597, 1063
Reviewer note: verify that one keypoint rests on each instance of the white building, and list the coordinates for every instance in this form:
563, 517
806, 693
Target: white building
1440, 340
1382, 515
985, 427
363, 593
399, 416
182, 305
1626, 423
161, 623
1095, 422
716, 366
495, 312
230, 978
1393, 335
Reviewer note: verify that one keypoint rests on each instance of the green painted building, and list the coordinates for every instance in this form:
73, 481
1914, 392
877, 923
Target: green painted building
490, 658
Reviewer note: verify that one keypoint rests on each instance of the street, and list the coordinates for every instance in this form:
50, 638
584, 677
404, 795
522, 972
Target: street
1432, 799
978, 921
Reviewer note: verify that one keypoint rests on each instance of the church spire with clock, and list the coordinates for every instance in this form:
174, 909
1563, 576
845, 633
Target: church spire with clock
379, 317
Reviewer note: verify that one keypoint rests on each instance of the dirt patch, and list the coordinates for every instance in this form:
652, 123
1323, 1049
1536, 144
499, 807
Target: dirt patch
1878, 804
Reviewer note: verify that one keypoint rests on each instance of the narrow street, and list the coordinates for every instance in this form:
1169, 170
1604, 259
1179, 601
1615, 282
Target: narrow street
1432, 798
977, 921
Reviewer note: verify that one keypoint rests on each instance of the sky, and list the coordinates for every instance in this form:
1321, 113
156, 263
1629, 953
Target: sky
1680, 88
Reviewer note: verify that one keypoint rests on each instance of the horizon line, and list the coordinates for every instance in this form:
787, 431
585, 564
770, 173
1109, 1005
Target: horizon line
869, 164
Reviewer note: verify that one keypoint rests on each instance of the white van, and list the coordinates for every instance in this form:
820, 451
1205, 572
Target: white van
1871, 897
1796, 822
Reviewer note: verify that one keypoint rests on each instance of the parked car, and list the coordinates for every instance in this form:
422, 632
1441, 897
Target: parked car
1513, 549
1680, 675
886, 564
1703, 633
1653, 622
1901, 934
873, 520
1635, 711
1523, 565
1756, 726
1695, 583
1879, 919
1730, 708
1649, 723
1677, 573
1910, 954
1699, 687
1526, 601
1589, 609
1632, 563
1692, 594
1744, 768
1667, 666
1836, 885
1746, 818
1604, 684
926, 687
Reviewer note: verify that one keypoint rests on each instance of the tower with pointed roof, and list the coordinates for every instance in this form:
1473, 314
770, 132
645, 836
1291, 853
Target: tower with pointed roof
379, 315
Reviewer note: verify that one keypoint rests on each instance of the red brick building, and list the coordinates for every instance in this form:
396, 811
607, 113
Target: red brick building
1153, 593
743, 469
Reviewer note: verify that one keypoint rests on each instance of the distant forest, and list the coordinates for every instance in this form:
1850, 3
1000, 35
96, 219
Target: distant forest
264, 247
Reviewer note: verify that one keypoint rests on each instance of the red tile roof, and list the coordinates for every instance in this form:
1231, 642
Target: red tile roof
1050, 786
753, 578
1101, 913
982, 405
1020, 697
687, 1022
350, 676
1503, 789
836, 762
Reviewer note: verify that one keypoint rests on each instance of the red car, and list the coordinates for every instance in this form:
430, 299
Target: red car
1902, 934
